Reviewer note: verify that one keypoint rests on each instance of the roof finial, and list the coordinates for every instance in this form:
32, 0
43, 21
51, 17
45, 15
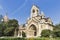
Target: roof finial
42, 13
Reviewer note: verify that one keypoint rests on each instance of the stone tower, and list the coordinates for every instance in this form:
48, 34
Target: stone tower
5, 18
34, 11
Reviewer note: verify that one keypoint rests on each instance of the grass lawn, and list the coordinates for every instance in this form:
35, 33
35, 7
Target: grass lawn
39, 38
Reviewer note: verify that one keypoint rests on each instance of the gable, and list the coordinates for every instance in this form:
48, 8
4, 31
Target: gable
32, 21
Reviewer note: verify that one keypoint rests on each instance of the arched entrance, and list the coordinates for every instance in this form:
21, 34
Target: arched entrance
32, 30
23, 34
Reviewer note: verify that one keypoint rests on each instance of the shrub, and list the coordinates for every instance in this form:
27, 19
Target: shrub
12, 38
56, 34
46, 33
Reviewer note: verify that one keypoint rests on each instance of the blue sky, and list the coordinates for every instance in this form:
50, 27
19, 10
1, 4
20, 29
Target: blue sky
20, 9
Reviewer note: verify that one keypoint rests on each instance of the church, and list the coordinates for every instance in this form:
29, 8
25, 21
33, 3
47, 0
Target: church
34, 24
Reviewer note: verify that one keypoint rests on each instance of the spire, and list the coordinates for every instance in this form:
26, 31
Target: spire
42, 14
5, 17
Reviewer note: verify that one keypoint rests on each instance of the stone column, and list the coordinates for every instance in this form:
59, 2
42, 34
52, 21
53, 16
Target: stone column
18, 33
21, 34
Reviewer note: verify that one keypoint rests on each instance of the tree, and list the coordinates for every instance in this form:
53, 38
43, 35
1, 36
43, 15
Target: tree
1, 25
46, 33
0, 29
56, 34
1, 17
10, 27
56, 31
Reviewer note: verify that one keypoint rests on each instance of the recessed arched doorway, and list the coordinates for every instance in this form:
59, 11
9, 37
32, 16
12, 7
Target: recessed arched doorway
32, 30
23, 34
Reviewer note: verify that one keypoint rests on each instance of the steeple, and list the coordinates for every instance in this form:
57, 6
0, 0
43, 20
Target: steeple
34, 11
42, 14
5, 18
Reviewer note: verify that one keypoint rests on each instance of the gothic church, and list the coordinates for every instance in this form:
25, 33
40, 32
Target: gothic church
35, 23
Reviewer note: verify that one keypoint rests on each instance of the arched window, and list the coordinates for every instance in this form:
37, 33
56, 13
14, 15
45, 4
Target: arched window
33, 11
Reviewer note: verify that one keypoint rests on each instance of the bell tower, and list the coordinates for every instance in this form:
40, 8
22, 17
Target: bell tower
34, 11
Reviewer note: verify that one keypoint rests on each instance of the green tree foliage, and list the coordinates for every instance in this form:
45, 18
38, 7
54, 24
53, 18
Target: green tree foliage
1, 25
1, 17
57, 27
56, 34
46, 33
56, 31
8, 29
1, 30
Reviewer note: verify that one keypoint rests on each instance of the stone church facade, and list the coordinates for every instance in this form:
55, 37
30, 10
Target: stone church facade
35, 23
